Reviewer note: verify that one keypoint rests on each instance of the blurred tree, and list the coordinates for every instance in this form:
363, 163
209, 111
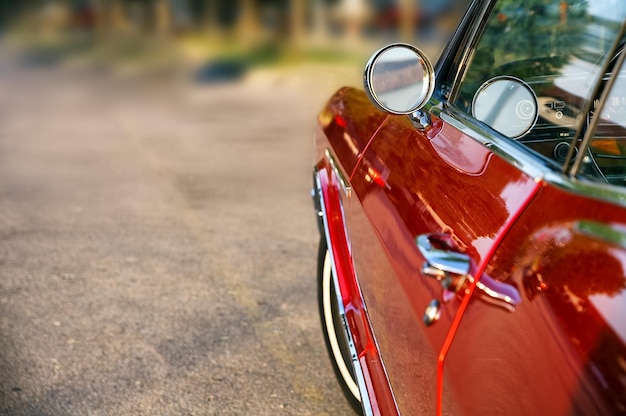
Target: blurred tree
247, 26
538, 27
407, 13
162, 17
117, 16
212, 17
297, 21
319, 22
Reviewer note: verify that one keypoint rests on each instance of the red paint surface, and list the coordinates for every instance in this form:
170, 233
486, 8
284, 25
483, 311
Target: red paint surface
480, 270
423, 182
356, 315
561, 351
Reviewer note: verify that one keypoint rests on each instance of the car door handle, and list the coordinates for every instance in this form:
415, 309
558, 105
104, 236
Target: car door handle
444, 264
441, 261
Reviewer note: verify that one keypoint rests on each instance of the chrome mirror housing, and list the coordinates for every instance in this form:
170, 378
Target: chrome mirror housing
399, 79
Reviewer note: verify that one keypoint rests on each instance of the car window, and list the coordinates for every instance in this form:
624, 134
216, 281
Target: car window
534, 67
606, 158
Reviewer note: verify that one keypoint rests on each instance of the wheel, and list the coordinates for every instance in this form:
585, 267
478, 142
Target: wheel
333, 328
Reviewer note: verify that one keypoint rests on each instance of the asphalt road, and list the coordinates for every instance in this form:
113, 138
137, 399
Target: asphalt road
158, 245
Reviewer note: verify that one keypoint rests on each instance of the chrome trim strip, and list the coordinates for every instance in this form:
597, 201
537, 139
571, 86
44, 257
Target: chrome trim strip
503, 147
345, 185
523, 158
315, 196
365, 400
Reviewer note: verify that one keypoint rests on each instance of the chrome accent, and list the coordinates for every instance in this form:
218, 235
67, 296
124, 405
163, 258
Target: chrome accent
443, 263
365, 400
598, 86
433, 272
315, 196
505, 148
523, 158
345, 185
432, 313
421, 119
497, 293
428, 78
595, 190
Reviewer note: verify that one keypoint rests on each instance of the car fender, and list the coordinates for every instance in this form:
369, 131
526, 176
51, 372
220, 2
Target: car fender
376, 397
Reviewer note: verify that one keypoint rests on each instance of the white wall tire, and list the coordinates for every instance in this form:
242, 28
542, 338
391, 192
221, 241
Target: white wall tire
332, 325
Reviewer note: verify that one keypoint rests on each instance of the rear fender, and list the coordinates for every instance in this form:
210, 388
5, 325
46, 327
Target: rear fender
565, 251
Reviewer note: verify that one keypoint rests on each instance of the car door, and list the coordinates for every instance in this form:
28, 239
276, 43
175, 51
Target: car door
562, 350
459, 185
440, 184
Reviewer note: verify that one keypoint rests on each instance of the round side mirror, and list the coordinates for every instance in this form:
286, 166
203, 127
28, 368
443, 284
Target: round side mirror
506, 104
399, 79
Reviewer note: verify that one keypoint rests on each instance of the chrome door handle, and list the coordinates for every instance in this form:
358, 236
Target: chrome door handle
444, 264
440, 262
498, 293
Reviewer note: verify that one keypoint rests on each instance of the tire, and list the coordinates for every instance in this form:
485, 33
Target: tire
332, 325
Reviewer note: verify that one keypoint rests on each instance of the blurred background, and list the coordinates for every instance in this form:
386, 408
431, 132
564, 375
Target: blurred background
158, 245
222, 39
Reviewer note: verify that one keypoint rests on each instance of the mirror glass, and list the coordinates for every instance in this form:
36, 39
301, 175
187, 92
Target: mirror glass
399, 79
506, 104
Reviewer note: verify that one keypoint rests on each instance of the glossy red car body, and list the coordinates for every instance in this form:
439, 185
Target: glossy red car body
552, 242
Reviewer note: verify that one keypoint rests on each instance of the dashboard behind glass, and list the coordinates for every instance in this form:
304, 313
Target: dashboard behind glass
558, 87
552, 55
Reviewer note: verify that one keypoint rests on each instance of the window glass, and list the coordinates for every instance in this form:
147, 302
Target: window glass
606, 159
534, 67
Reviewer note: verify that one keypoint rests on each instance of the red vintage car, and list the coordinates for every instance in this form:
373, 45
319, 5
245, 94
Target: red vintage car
472, 214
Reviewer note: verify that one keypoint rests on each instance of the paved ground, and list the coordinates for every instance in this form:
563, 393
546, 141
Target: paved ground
157, 245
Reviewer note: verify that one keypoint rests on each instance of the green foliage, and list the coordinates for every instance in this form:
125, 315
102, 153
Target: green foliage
534, 28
